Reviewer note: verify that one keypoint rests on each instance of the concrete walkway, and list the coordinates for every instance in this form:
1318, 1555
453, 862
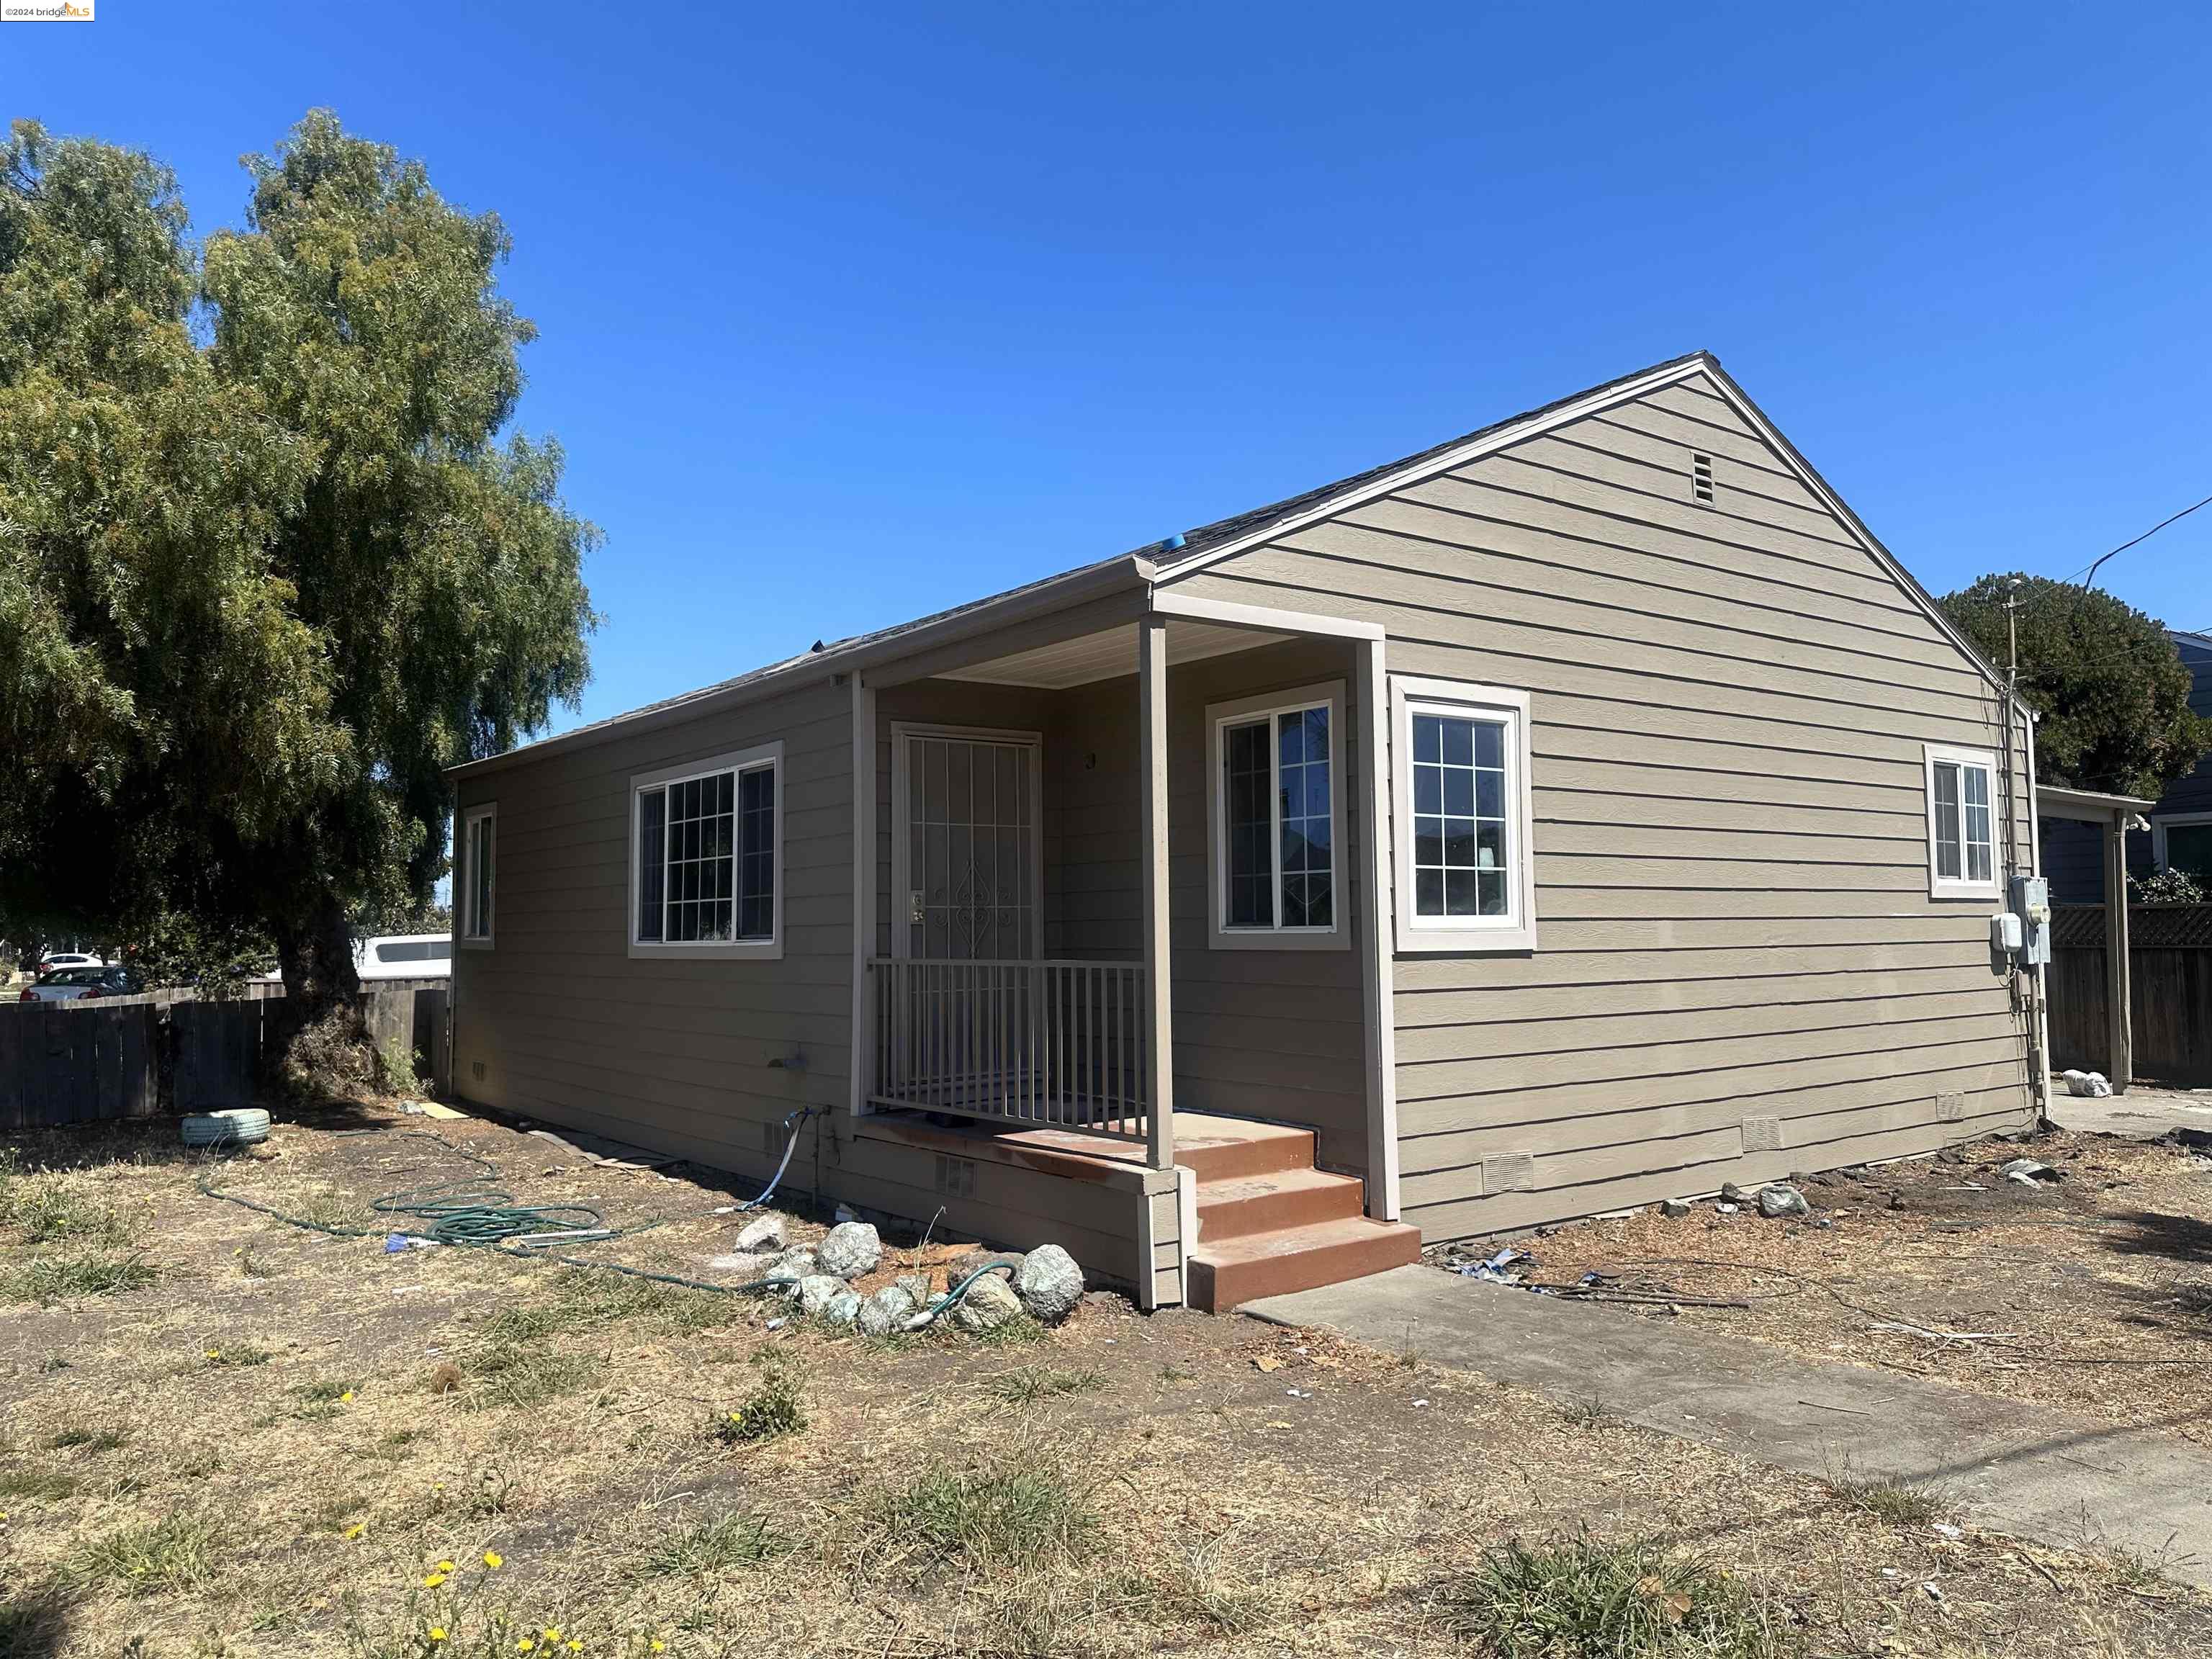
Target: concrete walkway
2007, 1465
2142, 1114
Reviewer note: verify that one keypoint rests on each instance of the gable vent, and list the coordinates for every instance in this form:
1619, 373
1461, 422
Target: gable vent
1701, 478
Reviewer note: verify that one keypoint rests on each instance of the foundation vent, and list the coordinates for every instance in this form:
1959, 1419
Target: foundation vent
475, 1070
1510, 1172
1950, 1108
1762, 1134
1701, 479
955, 1176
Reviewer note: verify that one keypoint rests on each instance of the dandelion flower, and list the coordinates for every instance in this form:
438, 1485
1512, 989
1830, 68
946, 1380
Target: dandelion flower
215, 1353
494, 1559
551, 1633
346, 1399
524, 1645
434, 1581
437, 1632
659, 1646
574, 1646
357, 1529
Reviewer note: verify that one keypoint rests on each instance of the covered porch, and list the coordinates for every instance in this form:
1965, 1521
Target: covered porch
1046, 987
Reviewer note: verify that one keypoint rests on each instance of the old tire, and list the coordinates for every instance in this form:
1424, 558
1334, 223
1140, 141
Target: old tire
241, 1126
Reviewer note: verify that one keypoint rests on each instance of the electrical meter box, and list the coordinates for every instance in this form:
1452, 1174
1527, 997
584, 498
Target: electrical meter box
2031, 905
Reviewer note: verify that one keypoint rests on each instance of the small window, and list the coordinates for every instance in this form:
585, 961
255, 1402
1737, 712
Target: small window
1961, 823
2183, 842
1275, 821
1701, 478
1460, 771
479, 834
706, 862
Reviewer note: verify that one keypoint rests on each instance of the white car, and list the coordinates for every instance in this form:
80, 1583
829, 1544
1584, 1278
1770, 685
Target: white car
54, 959
404, 956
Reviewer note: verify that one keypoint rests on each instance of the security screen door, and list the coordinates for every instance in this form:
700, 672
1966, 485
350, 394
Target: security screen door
968, 887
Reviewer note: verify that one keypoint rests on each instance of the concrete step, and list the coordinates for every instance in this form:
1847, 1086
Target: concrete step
1243, 1205
1227, 1148
1233, 1271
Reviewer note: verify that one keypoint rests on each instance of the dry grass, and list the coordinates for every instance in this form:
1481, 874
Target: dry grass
2090, 1294
1122, 1485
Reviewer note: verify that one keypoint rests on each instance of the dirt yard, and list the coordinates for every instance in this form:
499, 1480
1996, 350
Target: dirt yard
2091, 1291
220, 1434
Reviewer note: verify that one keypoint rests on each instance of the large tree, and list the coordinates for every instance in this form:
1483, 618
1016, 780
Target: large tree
2110, 692
269, 557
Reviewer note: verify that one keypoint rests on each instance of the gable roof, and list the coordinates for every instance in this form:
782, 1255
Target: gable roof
1164, 562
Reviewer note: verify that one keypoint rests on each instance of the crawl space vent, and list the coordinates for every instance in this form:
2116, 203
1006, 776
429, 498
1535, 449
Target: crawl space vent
1701, 478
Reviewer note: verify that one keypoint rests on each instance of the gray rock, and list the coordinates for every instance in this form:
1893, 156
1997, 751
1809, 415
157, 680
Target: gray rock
989, 1303
843, 1308
1780, 1200
1674, 1207
886, 1311
1732, 1194
1049, 1284
798, 1264
916, 1286
762, 1235
818, 1291
849, 1249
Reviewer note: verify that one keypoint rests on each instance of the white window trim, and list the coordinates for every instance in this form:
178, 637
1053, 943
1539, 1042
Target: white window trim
2159, 822
1958, 887
471, 816
770, 755
1244, 711
1515, 931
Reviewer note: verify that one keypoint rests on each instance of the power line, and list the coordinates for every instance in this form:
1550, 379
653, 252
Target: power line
2088, 574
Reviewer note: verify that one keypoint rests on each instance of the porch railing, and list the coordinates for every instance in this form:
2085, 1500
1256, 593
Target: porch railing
1045, 1044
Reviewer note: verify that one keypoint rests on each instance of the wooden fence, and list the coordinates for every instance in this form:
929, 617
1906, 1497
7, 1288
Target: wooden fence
2170, 991
126, 1057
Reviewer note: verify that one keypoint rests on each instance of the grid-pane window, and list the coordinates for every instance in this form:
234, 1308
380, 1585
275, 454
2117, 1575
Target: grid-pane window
1251, 869
1961, 821
1278, 857
1462, 845
1301, 796
706, 871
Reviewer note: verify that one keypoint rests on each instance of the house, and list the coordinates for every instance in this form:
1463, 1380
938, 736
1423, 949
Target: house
1581, 813
2181, 834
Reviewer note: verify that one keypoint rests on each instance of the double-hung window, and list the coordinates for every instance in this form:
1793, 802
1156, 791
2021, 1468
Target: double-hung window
1465, 875
479, 831
707, 858
1275, 820
1961, 823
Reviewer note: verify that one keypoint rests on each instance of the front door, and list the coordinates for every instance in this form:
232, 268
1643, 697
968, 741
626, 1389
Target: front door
966, 884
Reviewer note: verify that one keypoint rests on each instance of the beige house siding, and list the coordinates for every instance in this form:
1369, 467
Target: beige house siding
1737, 951
558, 1021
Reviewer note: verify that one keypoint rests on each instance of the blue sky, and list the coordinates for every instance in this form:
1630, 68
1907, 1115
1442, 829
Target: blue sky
850, 312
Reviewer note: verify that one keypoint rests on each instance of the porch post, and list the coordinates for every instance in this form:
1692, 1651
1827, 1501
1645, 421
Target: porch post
862, 1061
1377, 932
1153, 776
2121, 1056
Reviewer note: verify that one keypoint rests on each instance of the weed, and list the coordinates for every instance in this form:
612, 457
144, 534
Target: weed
251, 1266
585, 1300
525, 1373
1175, 1373
494, 1491
239, 1353
93, 1440
22, 1481
1891, 1499
1193, 1586
53, 1362
1017, 1512
50, 1278
322, 1390
774, 1407
1032, 1383
176, 1553
1590, 1413
1632, 1600
735, 1539
48, 1208
1019, 1332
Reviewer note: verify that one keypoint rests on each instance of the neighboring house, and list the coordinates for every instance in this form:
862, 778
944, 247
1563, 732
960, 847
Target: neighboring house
1582, 812
2180, 836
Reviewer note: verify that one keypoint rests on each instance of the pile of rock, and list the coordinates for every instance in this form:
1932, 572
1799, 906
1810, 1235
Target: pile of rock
1047, 1285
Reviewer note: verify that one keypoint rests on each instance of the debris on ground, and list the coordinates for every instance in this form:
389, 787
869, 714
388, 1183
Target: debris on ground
2026, 1171
2092, 1085
762, 1235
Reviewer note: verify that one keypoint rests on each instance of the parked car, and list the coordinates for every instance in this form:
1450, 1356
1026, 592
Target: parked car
81, 984
404, 956
54, 959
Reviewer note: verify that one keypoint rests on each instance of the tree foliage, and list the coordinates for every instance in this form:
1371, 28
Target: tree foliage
269, 557
2110, 692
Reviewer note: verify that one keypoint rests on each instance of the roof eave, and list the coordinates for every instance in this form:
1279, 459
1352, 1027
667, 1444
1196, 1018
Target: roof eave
1130, 572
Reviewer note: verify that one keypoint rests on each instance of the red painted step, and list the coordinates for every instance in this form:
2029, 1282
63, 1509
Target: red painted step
1234, 1271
